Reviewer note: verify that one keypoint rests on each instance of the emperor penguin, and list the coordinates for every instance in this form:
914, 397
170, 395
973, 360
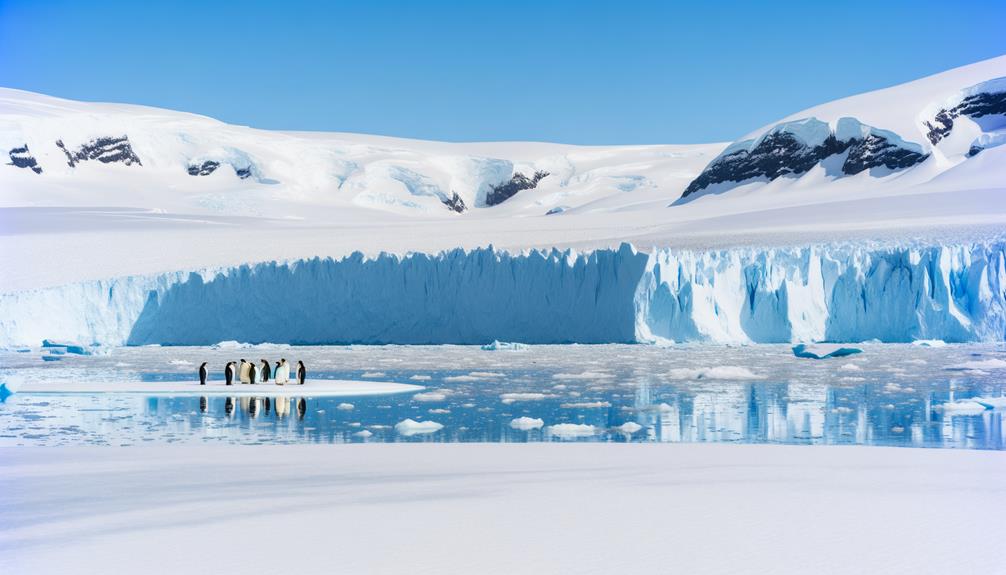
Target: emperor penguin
243, 371
229, 372
203, 374
301, 372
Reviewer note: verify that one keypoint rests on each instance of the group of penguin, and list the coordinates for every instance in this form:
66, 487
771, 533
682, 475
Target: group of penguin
248, 372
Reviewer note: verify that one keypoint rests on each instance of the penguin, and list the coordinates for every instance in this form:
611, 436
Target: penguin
275, 374
229, 372
301, 372
202, 374
266, 371
252, 372
283, 372
243, 371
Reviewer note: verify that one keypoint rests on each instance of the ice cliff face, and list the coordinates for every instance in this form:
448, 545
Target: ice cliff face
793, 148
835, 293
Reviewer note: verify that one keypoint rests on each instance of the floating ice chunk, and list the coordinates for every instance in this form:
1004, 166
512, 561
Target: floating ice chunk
420, 378
504, 346
429, 396
180, 362
526, 423
230, 344
374, 374
345, 406
411, 427
979, 365
992, 402
850, 367
363, 433
524, 396
438, 410
930, 343
718, 372
585, 405
629, 427
961, 407
474, 376
486, 374
822, 351
572, 430
584, 375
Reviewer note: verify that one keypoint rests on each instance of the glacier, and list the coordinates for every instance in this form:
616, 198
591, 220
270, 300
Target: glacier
825, 292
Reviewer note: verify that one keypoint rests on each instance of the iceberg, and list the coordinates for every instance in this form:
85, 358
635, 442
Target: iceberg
823, 351
411, 427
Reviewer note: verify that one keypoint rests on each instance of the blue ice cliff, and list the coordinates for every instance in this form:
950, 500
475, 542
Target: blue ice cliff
841, 293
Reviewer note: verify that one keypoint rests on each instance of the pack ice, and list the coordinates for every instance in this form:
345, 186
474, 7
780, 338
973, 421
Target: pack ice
830, 292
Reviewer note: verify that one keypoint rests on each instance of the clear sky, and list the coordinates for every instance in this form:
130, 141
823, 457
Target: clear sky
567, 71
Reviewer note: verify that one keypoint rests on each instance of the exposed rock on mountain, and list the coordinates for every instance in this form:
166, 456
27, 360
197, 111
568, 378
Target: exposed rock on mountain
21, 158
503, 192
106, 150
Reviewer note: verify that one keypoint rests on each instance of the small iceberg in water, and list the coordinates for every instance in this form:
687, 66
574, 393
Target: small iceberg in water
822, 351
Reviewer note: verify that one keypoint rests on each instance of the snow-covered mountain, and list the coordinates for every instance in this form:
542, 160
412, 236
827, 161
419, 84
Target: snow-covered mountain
901, 138
876, 216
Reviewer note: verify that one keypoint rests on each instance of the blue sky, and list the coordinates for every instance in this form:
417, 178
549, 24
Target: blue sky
573, 71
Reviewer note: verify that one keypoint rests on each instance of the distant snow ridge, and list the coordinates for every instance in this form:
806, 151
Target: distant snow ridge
793, 148
841, 293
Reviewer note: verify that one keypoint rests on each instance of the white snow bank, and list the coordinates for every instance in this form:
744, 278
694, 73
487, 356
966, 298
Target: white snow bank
585, 405
744, 494
526, 423
410, 427
317, 388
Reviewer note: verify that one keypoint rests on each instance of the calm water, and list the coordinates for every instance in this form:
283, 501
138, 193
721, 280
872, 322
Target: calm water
888, 395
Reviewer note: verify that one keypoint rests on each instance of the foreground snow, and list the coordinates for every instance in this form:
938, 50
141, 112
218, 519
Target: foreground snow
501, 509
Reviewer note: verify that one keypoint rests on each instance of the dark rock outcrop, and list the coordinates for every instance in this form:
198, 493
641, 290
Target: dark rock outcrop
974, 150
874, 151
204, 169
503, 192
243, 173
974, 106
781, 153
455, 203
22, 158
106, 150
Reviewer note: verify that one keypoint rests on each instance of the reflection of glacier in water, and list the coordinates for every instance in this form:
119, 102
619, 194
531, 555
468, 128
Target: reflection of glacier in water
890, 395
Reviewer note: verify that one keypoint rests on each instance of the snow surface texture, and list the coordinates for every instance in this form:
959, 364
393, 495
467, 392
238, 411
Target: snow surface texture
846, 293
710, 509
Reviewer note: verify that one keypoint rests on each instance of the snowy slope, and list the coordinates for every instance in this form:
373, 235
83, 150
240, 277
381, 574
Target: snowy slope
891, 140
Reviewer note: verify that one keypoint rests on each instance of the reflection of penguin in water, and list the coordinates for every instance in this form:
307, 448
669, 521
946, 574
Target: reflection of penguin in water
252, 372
202, 374
203, 404
229, 404
282, 406
229, 372
253, 407
266, 371
301, 372
301, 407
243, 371
267, 402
